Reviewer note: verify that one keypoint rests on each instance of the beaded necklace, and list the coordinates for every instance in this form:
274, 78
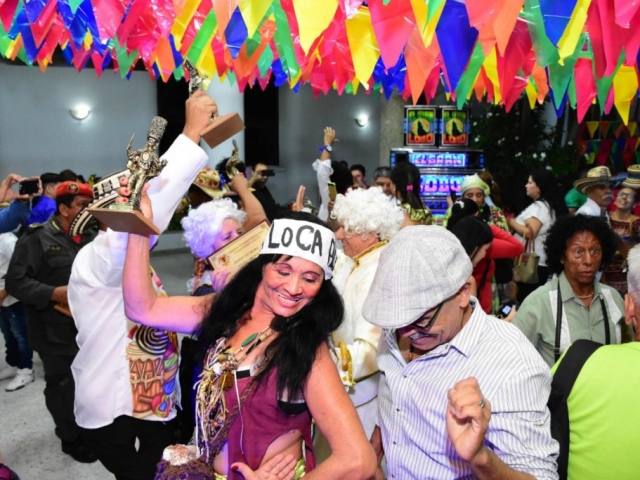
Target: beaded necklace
218, 375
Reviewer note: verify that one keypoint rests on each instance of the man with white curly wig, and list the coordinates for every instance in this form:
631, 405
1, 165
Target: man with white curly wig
367, 219
213, 225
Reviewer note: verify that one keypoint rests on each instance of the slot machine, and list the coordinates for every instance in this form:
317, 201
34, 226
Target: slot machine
441, 172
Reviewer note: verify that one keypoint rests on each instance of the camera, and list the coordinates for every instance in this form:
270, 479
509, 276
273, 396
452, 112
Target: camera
268, 173
29, 187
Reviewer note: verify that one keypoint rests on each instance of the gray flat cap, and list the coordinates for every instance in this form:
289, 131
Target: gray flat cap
419, 268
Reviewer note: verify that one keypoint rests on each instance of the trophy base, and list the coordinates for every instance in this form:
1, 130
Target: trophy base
222, 128
131, 221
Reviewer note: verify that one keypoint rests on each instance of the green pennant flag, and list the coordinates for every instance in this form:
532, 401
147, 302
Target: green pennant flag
284, 44
265, 61
546, 52
203, 37
465, 84
125, 60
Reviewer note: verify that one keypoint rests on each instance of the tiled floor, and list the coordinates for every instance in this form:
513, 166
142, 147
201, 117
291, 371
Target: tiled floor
27, 441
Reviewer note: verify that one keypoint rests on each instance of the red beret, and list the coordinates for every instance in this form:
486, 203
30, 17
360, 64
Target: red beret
74, 188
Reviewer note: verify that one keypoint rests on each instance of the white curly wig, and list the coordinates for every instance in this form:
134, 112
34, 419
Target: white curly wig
203, 224
368, 211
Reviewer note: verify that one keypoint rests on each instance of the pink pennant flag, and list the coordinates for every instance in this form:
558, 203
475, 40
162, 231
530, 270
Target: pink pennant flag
613, 35
392, 24
586, 89
515, 54
625, 11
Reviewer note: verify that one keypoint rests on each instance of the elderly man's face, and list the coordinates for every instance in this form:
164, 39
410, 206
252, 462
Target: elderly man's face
439, 324
354, 244
601, 194
582, 258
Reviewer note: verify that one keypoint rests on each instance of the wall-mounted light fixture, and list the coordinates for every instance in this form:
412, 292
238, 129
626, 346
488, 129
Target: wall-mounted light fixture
362, 120
80, 112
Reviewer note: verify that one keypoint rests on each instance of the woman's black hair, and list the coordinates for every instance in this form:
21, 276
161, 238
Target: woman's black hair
550, 192
463, 207
403, 175
294, 350
341, 176
472, 233
566, 227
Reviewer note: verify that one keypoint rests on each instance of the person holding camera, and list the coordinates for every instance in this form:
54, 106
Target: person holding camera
18, 210
258, 182
45, 206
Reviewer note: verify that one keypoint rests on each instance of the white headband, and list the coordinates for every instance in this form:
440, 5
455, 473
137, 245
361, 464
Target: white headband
302, 239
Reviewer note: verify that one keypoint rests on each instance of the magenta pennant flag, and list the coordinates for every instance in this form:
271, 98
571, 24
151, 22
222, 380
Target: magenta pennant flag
515, 54
586, 89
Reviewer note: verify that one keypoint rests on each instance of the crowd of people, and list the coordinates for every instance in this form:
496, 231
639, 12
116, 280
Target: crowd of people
363, 341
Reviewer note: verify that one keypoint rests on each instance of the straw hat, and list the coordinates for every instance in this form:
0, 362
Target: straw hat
596, 176
208, 180
104, 194
633, 177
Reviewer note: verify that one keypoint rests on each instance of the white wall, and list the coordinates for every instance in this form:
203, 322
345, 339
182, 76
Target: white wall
37, 133
302, 120
228, 100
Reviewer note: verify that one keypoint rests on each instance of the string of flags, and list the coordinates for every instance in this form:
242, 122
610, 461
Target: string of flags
576, 52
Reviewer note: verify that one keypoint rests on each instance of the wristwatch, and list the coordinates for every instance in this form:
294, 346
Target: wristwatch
328, 148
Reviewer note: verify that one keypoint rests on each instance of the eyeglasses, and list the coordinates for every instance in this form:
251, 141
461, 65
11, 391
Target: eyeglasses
629, 196
431, 321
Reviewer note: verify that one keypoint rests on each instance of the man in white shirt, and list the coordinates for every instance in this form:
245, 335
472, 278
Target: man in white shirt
368, 219
598, 186
468, 398
126, 380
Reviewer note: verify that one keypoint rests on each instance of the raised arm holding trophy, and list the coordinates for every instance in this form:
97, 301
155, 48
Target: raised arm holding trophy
222, 127
124, 214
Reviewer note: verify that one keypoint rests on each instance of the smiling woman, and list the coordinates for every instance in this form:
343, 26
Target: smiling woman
266, 366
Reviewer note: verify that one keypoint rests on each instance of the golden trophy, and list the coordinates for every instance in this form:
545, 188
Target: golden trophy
124, 214
222, 127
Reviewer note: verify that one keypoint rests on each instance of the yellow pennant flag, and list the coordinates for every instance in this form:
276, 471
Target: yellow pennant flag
625, 86
363, 45
490, 65
632, 128
313, 19
532, 94
592, 127
181, 22
253, 11
206, 65
571, 34
430, 29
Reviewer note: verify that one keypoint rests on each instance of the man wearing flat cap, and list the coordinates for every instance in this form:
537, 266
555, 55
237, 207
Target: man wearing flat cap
38, 276
598, 186
469, 399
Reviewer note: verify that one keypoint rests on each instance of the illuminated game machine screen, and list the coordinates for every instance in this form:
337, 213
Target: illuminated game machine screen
441, 173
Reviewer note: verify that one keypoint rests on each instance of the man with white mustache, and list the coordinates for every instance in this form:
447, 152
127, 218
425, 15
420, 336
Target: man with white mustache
598, 186
469, 398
